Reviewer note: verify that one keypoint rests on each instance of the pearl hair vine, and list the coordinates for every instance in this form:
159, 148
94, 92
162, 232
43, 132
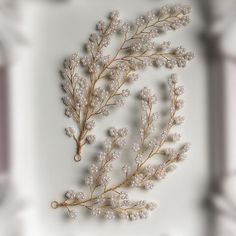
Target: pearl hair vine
154, 154
102, 199
86, 98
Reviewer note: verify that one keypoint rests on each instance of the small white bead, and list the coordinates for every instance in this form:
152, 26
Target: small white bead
73, 215
135, 147
80, 196
112, 131
96, 211
151, 206
186, 147
90, 139
90, 124
89, 180
70, 194
70, 131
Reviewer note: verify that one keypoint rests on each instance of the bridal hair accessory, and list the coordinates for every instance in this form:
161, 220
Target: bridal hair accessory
107, 75
154, 152
112, 201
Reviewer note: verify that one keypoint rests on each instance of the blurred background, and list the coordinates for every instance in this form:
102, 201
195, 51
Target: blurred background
35, 37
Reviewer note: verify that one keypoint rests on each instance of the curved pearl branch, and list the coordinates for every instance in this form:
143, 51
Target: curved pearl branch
86, 98
110, 200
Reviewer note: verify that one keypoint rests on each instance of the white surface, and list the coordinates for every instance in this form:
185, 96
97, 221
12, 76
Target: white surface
42, 155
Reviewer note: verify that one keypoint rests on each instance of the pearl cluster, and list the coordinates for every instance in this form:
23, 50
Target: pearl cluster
72, 195
70, 131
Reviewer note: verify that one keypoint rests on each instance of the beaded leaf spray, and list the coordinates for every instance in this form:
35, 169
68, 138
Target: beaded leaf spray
85, 99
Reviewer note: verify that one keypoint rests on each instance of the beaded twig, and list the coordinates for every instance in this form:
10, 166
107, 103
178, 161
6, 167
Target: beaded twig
87, 98
111, 201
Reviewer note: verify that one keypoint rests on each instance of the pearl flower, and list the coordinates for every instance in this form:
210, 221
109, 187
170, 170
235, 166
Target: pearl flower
140, 21
145, 93
133, 77
120, 143
179, 104
123, 132
93, 169
136, 180
101, 25
89, 180
104, 180
90, 124
80, 196
143, 214
150, 15
90, 139
101, 200
125, 27
70, 194
124, 215
175, 137
119, 102
68, 112
112, 132
159, 62
155, 116
70, 131
73, 215
139, 159
123, 195
165, 45
136, 147
181, 157
102, 156
148, 185
106, 59
178, 120
149, 170
160, 175
186, 147
165, 10
107, 144
179, 90
109, 215
133, 216
96, 211
170, 152
115, 155
125, 92
170, 63
114, 14
94, 37
108, 167
151, 206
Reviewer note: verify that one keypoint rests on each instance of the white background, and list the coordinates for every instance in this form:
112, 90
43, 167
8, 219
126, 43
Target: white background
42, 156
